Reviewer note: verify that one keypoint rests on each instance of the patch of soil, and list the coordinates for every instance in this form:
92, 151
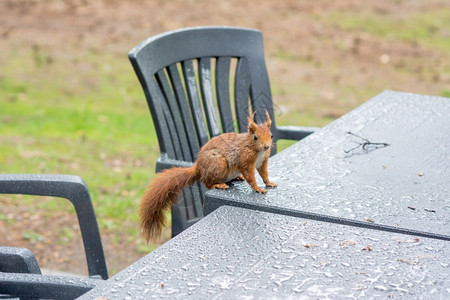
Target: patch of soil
54, 237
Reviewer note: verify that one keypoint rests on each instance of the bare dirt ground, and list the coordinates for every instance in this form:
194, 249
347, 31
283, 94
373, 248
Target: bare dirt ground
327, 59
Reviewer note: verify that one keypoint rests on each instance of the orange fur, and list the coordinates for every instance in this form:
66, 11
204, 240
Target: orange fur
224, 158
161, 194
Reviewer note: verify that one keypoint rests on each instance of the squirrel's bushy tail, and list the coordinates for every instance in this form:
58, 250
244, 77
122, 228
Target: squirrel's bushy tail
161, 194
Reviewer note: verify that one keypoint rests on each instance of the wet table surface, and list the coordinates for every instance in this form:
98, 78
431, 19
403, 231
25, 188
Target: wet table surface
237, 253
337, 176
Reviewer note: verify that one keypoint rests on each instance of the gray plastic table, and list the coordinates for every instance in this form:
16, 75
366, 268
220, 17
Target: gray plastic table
236, 253
339, 177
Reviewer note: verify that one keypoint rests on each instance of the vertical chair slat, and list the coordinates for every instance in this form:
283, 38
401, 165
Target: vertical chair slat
187, 200
206, 88
198, 194
194, 100
242, 94
157, 108
180, 95
223, 93
190, 194
182, 148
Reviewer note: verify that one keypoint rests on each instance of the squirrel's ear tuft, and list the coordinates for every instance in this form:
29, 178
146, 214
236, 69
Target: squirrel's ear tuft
269, 121
251, 124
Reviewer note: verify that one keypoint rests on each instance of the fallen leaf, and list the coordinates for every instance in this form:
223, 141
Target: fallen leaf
406, 261
346, 243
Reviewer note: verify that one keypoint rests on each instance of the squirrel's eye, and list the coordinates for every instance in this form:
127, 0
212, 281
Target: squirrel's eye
271, 136
255, 138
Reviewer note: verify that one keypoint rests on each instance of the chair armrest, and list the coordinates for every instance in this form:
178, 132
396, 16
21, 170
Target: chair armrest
46, 286
73, 189
164, 162
18, 260
295, 132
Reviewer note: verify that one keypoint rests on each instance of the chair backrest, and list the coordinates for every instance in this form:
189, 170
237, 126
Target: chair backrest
201, 82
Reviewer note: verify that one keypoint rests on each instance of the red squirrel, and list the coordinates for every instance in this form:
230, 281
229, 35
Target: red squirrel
224, 158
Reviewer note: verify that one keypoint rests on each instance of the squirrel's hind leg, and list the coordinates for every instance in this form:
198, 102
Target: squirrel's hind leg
213, 169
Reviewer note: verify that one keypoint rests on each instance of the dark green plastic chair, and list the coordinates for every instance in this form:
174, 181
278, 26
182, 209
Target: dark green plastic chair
201, 82
20, 274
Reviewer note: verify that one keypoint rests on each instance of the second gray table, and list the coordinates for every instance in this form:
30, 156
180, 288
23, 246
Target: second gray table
235, 253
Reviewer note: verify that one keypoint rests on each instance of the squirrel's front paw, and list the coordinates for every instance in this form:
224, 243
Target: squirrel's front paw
271, 184
260, 190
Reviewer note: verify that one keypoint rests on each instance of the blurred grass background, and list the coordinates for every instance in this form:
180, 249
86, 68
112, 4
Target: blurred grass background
70, 102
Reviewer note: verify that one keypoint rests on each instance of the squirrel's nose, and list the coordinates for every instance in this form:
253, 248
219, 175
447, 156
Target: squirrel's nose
266, 148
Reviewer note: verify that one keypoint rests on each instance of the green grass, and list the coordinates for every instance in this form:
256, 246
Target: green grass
428, 28
88, 125
446, 93
32, 236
